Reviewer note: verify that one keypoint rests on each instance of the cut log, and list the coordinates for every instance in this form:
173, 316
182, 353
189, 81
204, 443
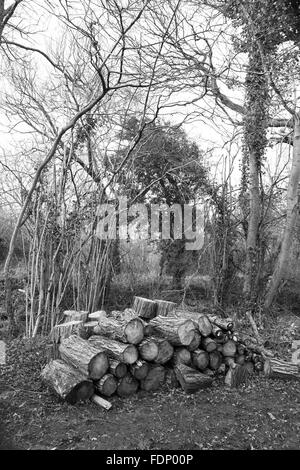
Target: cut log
64, 330
156, 349
190, 379
70, 384
139, 370
258, 366
195, 342
73, 315
278, 369
148, 349
217, 333
200, 359
251, 344
144, 308
128, 331
122, 352
129, 314
84, 356
97, 316
229, 348
241, 350
204, 325
209, 344
155, 378
107, 385
127, 386
182, 356
164, 307
226, 324
179, 332
117, 368
229, 361
165, 351
215, 360
101, 402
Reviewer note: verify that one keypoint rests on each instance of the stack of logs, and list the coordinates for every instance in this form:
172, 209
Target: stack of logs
143, 347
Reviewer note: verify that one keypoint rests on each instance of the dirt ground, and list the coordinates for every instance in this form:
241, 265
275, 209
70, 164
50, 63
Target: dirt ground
263, 414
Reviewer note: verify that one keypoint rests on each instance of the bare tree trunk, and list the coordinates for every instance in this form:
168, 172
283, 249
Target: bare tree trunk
254, 218
291, 217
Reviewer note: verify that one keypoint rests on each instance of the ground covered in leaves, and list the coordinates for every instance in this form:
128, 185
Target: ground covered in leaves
263, 414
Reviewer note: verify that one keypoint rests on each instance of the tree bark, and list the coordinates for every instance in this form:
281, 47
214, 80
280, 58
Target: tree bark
179, 332
278, 369
164, 307
128, 331
84, 357
70, 384
144, 308
126, 353
190, 379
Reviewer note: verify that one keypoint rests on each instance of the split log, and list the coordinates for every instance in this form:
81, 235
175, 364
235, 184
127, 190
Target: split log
84, 356
101, 402
215, 360
107, 385
209, 344
182, 356
236, 375
127, 386
190, 379
128, 331
164, 307
144, 308
179, 332
195, 342
64, 330
155, 378
97, 316
229, 348
171, 379
200, 359
117, 368
139, 370
68, 383
278, 369
122, 352
73, 315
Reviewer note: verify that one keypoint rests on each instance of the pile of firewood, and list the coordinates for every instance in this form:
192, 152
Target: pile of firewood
146, 346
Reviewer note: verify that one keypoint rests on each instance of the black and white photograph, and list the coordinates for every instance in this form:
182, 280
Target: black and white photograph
150, 228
